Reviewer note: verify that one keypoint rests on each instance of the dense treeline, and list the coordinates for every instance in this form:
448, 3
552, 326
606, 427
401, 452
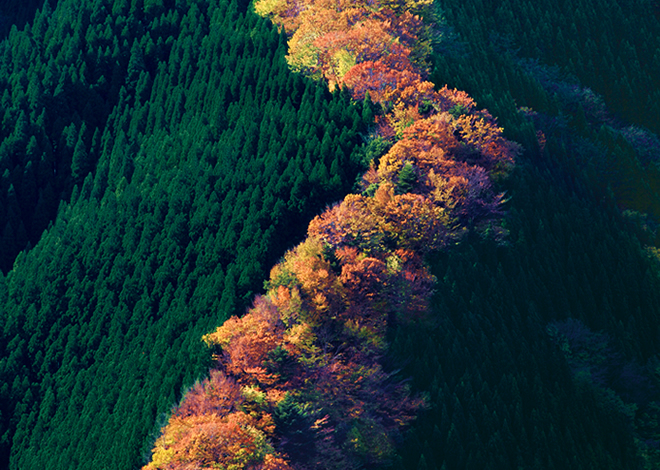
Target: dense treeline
210, 165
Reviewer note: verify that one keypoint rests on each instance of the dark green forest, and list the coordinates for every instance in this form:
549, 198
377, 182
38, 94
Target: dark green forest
562, 323
17, 13
158, 157
506, 393
613, 47
187, 159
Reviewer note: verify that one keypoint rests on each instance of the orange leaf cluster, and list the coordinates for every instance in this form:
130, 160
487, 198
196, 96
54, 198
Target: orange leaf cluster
212, 428
376, 224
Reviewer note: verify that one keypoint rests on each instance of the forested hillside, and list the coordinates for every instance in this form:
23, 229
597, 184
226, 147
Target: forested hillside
159, 156
212, 160
612, 47
562, 322
529, 336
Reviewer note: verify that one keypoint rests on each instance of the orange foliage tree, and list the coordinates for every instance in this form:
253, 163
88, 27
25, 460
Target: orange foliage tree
211, 429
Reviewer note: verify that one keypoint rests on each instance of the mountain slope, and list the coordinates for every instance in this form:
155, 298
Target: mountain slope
210, 166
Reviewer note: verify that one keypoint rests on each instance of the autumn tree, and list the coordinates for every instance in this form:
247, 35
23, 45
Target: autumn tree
211, 428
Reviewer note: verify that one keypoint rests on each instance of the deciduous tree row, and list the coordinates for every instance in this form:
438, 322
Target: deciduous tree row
298, 381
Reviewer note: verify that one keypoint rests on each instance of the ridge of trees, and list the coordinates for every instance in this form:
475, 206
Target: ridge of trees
298, 380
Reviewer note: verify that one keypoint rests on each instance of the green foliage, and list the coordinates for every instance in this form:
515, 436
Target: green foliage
294, 424
281, 363
406, 179
458, 111
374, 149
200, 178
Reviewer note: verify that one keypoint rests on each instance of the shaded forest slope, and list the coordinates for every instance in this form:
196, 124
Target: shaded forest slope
563, 322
